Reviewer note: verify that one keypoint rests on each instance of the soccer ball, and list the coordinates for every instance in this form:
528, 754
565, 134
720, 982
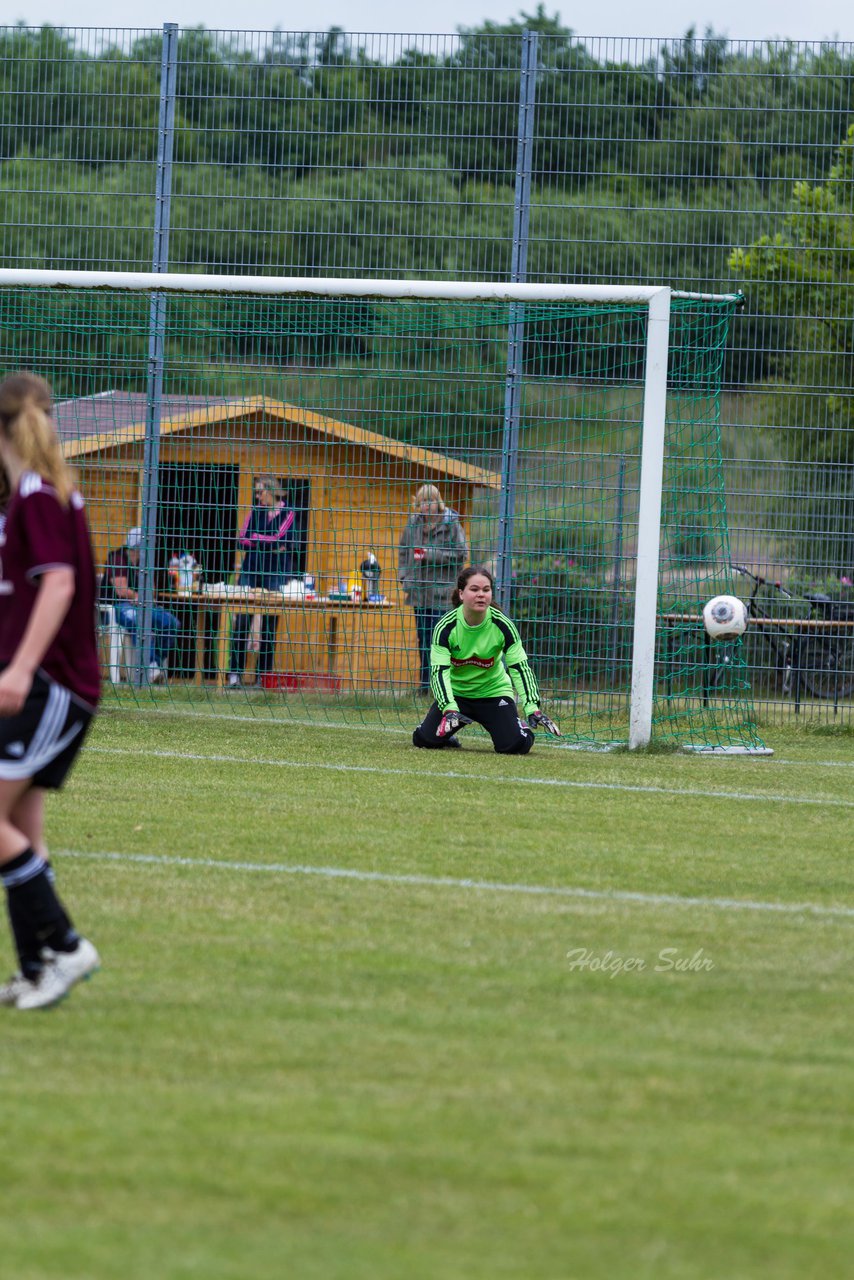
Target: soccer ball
725, 617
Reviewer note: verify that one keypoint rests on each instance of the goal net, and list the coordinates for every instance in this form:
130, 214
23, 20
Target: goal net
569, 435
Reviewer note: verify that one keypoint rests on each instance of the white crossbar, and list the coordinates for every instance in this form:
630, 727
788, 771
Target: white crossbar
463, 290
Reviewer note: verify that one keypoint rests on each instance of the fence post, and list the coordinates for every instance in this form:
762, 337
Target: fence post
516, 334
156, 343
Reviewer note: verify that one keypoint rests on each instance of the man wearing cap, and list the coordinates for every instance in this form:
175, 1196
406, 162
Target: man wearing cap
120, 588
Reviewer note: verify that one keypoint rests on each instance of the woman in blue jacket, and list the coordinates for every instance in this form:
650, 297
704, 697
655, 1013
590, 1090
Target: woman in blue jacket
267, 542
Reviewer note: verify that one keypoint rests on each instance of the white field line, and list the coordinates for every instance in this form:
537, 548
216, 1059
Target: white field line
821, 764
503, 780
451, 882
224, 717
292, 722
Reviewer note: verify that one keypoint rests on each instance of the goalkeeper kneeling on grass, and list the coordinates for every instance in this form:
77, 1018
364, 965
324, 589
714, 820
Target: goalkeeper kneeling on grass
477, 667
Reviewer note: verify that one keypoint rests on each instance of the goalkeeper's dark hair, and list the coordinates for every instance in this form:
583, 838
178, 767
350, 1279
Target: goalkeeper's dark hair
470, 571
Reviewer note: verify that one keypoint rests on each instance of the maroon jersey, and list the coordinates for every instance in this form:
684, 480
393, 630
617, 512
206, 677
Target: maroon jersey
4, 599
41, 534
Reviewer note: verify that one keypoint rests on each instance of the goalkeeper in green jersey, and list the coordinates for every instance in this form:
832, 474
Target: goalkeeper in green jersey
477, 668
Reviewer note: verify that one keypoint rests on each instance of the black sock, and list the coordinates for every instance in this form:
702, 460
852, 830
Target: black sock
69, 927
38, 917
29, 957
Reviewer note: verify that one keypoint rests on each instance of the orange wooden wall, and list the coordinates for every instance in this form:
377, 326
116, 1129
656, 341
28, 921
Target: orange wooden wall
360, 500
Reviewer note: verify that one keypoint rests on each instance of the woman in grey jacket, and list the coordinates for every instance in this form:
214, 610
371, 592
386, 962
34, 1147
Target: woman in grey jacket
431, 553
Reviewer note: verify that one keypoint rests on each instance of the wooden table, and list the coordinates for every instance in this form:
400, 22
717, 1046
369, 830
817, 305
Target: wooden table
275, 604
800, 627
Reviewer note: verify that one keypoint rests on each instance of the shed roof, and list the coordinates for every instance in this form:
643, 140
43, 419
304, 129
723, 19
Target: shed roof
111, 419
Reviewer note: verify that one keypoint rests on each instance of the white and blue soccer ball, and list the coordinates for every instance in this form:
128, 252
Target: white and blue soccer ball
725, 617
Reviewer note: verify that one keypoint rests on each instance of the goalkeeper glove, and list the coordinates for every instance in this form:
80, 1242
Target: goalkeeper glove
451, 721
539, 720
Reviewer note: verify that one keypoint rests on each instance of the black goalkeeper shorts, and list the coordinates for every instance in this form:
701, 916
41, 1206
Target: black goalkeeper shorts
499, 717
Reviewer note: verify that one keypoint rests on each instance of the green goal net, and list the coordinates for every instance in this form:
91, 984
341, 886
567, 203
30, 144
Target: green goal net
199, 420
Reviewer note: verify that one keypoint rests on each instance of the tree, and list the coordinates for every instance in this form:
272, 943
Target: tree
805, 272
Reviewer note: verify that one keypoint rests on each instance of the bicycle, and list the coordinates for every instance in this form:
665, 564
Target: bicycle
822, 659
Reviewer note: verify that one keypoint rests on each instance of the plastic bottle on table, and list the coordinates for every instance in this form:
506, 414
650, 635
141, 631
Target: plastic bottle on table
186, 572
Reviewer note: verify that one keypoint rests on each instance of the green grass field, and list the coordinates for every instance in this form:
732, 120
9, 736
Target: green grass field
371, 1013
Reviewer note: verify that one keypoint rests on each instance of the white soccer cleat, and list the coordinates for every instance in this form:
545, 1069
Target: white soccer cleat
155, 674
61, 971
10, 991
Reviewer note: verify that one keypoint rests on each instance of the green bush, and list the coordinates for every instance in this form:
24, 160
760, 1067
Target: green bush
561, 614
561, 601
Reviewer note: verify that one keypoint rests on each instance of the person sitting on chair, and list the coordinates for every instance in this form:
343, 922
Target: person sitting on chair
120, 588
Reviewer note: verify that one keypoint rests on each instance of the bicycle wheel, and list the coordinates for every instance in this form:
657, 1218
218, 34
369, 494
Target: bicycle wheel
826, 666
716, 675
769, 660
726, 672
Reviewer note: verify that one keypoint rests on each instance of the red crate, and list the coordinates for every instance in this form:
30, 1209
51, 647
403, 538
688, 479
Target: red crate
301, 680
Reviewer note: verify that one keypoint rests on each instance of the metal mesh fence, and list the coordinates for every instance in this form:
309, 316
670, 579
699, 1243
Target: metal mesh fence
704, 163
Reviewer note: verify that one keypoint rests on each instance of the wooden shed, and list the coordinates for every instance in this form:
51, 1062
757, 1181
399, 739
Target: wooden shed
352, 490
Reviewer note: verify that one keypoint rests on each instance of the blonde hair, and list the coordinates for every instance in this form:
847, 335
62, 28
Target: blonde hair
270, 484
428, 493
25, 407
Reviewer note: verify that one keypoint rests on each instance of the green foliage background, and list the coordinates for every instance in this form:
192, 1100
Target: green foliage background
710, 164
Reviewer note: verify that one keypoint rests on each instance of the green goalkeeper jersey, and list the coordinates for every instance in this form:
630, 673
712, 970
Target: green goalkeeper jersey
486, 661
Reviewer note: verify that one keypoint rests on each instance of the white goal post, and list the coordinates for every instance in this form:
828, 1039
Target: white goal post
656, 300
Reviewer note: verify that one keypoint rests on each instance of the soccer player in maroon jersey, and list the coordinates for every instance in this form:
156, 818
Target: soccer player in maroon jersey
49, 684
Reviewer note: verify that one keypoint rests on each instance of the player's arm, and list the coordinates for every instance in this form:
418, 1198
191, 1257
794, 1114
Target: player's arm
527, 689
525, 684
53, 600
440, 683
440, 670
521, 672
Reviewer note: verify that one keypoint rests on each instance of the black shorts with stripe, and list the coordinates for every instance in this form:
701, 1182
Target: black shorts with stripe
41, 742
499, 717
